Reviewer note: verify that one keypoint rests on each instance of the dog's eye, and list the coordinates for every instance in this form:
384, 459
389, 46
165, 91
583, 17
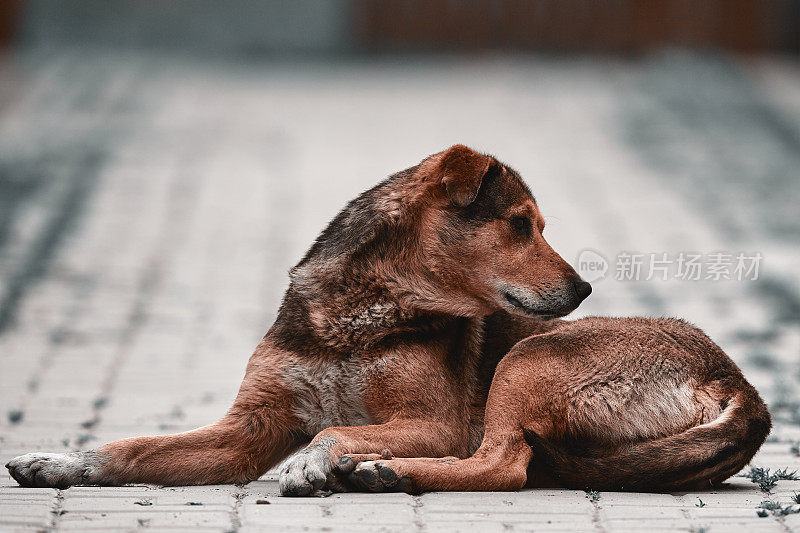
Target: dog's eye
521, 225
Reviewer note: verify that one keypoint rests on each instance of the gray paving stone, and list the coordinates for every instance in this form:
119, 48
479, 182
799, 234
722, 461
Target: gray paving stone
150, 208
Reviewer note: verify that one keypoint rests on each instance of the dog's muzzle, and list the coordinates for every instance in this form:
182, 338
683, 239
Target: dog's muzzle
545, 303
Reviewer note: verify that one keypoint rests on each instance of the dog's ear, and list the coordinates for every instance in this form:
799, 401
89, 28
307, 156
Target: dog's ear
462, 170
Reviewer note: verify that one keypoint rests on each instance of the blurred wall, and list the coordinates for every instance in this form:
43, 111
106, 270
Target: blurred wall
337, 26
202, 26
579, 25
9, 17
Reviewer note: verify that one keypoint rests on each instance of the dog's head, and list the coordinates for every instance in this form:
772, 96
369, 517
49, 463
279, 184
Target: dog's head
481, 236
459, 234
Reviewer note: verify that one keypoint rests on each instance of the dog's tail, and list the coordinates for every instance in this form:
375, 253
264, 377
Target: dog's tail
699, 457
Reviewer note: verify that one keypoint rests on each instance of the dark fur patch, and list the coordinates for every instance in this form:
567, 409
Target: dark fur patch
501, 189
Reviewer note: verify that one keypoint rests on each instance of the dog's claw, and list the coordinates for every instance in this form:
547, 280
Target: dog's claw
305, 473
345, 464
387, 476
57, 470
375, 476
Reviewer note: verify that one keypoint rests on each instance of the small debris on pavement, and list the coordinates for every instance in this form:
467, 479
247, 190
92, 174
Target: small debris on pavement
100, 402
83, 438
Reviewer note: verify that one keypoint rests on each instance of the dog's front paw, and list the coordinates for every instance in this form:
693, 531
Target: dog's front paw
379, 476
305, 472
57, 470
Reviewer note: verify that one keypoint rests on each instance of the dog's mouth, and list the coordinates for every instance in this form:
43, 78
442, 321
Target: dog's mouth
529, 303
510, 298
528, 310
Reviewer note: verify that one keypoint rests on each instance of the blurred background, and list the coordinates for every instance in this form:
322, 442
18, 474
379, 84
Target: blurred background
162, 165
335, 27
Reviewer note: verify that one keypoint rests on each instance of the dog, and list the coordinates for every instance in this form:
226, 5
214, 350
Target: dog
420, 346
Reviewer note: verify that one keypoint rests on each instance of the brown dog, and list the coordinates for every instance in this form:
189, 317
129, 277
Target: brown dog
389, 338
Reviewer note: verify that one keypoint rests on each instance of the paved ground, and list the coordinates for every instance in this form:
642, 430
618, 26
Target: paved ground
150, 207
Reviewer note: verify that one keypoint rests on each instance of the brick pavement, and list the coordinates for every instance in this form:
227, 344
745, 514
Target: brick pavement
150, 207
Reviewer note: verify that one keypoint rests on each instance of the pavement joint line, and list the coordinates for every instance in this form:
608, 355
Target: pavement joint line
416, 507
597, 519
57, 509
238, 499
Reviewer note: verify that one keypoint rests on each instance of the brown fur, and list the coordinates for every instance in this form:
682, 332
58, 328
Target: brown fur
427, 305
601, 403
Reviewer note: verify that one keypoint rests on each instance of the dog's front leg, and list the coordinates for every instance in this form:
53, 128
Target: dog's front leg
256, 433
420, 400
317, 465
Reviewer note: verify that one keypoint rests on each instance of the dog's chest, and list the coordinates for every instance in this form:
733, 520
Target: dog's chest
331, 392
328, 393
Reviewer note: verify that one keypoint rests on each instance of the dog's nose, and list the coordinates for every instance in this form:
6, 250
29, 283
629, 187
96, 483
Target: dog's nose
582, 289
